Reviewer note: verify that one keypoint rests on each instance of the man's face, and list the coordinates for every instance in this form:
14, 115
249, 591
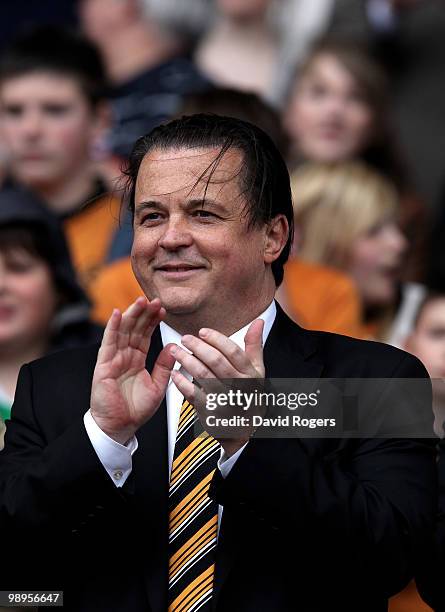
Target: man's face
47, 127
199, 258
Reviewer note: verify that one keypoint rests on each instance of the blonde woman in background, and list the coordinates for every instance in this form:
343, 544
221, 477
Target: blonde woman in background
345, 216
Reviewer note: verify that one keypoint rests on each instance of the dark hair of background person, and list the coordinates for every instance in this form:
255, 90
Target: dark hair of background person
382, 151
26, 224
25, 13
263, 174
247, 106
33, 238
56, 50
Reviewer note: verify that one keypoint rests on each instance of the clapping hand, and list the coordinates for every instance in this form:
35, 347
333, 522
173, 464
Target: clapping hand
217, 357
124, 394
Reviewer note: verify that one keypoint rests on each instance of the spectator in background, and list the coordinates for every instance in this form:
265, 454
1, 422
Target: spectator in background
240, 49
345, 216
427, 342
146, 64
51, 114
412, 49
42, 307
254, 45
337, 107
337, 110
321, 297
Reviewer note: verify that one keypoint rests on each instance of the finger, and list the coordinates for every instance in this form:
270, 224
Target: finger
145, 324
194, 366
192, 393
108, 345
132, 314
210, 356
162, 368
234, 354
111, 328
157, 316
253, 342
130, 318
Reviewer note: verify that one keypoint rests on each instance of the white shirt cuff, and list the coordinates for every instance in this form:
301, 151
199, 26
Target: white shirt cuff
116, 458
225, 464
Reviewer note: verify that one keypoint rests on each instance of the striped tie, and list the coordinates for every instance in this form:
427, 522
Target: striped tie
193, 516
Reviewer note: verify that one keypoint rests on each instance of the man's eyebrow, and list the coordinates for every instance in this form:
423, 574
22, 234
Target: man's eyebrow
148, 204
188, 204
207, 202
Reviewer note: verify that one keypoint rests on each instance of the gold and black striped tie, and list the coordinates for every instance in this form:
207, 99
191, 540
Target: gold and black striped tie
193, 516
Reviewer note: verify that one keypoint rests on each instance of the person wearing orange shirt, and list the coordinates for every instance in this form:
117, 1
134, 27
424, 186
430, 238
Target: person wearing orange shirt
52, 116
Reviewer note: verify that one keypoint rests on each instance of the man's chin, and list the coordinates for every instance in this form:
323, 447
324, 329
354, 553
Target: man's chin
182, 302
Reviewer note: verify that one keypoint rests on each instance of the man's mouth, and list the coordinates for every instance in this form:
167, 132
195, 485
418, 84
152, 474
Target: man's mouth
177, 268
178, 272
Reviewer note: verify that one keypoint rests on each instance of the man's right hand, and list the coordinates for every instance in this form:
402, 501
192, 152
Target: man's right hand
124, 395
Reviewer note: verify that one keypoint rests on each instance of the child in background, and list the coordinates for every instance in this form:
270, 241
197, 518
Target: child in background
42, 307
52, 117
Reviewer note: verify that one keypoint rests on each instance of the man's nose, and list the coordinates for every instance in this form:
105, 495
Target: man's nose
177, 234
31, 124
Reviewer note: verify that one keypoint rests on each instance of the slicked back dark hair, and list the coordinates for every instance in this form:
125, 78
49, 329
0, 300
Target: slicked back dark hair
60, 51
263, 175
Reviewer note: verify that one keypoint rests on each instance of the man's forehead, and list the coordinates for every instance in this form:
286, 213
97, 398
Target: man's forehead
50, 83
187, 167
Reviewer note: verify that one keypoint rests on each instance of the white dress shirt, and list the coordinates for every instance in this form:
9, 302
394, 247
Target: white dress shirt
117, 458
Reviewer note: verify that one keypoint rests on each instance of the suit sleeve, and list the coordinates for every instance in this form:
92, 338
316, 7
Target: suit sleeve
371, 499
45, 484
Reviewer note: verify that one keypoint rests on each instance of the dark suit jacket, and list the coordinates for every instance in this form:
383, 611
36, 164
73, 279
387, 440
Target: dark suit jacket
308, 524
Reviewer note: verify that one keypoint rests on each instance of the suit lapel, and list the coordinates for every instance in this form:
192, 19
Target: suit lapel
289, 352
150, 464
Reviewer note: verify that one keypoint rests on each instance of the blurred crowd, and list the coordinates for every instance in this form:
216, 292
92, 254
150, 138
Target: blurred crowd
351, 91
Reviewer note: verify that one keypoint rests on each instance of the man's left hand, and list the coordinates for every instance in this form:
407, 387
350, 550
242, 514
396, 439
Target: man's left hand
216, 356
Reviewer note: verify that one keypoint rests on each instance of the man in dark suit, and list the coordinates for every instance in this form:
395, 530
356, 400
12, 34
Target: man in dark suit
105, 465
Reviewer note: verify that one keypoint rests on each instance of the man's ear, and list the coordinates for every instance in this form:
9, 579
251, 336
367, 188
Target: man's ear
277, 233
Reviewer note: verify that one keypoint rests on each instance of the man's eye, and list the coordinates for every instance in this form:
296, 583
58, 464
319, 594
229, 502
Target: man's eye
154, 216
57, 110
203, 214
13, 110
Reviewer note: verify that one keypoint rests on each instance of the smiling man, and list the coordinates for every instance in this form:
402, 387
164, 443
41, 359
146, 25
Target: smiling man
105, 459
191, 249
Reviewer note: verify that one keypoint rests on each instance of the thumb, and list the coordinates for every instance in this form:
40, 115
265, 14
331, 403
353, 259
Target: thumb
253, 341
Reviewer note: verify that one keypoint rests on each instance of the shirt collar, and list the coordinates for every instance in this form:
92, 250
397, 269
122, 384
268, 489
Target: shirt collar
168, 334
